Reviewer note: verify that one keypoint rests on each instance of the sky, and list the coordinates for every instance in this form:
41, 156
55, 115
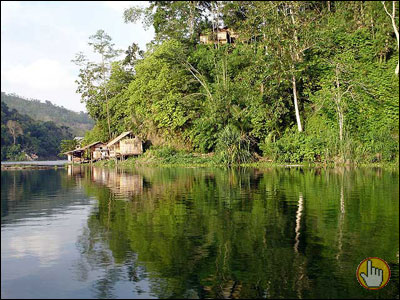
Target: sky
40, 38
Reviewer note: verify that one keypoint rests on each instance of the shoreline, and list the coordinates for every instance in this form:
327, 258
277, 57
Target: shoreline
133, 163
22, 165
29, 167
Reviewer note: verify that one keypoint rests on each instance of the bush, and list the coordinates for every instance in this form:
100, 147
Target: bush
14, 153
171, 156
295, 147
233, 147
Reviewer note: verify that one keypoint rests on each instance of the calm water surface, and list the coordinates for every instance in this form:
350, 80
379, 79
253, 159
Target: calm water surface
196, 232
36, 162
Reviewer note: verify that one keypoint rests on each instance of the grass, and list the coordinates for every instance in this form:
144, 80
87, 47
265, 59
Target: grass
164, 157
169, 157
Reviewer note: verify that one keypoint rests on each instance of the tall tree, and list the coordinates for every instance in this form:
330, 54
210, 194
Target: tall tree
180, 20
94, 76
284, 28
15, 129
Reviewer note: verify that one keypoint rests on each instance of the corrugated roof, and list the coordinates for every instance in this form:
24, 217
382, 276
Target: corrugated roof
71, 151
83, 148
122, 135
90, 145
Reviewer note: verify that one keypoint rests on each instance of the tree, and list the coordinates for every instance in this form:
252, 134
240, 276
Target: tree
160, 94
15, 129
395, 29
286, 30
132, 55
67, 145
180, 20
93, 76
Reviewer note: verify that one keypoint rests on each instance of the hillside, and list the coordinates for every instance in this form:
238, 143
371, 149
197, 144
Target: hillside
78, 123
23, 138
297, 82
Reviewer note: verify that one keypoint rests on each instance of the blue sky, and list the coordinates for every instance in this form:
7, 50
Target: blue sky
39, 39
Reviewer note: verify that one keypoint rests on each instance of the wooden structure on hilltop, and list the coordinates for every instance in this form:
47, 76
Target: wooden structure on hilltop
221, 36
125, 144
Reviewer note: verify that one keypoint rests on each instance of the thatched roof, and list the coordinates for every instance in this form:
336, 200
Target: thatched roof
118, 138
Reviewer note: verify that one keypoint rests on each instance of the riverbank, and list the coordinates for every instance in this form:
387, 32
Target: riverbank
30, 167
172, 158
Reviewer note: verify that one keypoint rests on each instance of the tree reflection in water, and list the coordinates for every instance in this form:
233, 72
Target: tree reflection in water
238, 233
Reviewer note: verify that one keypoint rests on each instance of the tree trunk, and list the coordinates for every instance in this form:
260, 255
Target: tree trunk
341, 119
108, 116
192, 6
396, 31
105, 94
338, 100
296, 107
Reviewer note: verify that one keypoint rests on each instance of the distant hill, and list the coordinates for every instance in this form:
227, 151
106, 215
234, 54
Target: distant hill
78, 123
23, 138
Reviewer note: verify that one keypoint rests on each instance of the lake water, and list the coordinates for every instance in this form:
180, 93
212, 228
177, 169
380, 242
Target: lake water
86, 232
36, 162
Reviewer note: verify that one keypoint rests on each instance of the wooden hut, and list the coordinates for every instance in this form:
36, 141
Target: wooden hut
75, 156
100, 152
83, 154
221, 36
131, 146
91, 149
125, 144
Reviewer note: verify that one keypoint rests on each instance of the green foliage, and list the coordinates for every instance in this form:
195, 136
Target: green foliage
98, 133
233, 147
160, 96
170, 156
14, 153
35, 139
338, 58
180, 20
67, 145
295, 147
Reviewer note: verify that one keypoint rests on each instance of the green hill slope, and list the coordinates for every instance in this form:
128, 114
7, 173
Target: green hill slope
78, 123
23, 138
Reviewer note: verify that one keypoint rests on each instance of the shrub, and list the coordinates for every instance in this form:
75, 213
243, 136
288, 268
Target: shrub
233, 147
295, 147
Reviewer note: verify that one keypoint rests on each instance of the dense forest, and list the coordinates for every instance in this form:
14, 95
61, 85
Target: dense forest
23, 138
78, 123
303, 81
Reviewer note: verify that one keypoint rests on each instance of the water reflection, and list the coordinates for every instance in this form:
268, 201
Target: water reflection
120, 182
243, 233
197, 232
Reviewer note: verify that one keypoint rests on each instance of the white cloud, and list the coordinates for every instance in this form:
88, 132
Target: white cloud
44, 74
46, 247
39, 39
9, 10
